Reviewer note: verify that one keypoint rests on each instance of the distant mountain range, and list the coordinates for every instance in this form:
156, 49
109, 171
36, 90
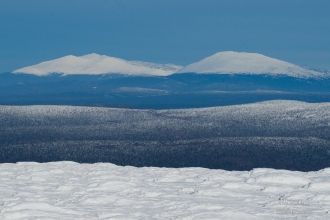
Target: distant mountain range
225, 78
227, 62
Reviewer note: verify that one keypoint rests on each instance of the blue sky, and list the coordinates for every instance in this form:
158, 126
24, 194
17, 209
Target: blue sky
165, 31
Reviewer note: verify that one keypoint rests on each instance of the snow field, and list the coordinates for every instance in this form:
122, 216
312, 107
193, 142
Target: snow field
67, 190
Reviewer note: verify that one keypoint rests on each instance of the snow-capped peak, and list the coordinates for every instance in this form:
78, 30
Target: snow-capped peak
230, 62
94, 64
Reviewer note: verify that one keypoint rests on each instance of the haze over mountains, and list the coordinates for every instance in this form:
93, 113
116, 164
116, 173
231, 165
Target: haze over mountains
227, 62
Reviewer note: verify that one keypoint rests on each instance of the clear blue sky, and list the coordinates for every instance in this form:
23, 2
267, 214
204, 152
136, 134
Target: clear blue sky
165, 31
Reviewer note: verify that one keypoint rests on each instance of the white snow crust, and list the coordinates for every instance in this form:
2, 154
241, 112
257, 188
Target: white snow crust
67, 190
94, 64
247, 63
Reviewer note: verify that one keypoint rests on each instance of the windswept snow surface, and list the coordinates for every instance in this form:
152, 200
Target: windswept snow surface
67, 190
94, 64
247, 63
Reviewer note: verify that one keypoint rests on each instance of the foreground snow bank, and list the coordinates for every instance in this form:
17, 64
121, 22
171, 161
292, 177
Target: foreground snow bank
67, 190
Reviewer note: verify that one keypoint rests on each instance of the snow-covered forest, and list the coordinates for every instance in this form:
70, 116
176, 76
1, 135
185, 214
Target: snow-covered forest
277, 134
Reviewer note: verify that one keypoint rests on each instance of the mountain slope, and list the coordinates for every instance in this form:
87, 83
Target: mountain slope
247, 63
94, 64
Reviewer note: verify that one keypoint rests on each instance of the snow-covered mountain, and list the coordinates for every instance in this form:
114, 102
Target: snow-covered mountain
247, 63
227, 62
94, 64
